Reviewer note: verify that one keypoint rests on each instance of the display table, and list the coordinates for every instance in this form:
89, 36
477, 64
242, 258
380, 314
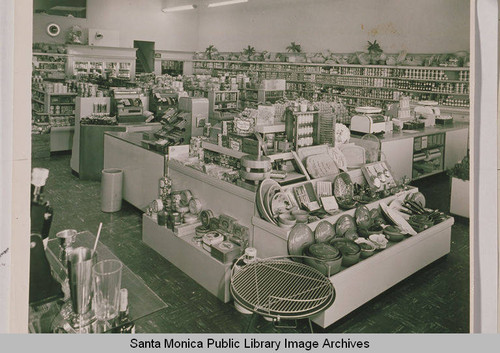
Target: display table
217, 195
91, 146
142, 300
398, 147
142, 168
190, 258
362, 282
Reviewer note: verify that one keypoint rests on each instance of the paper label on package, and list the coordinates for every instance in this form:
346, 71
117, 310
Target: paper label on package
329, 203
265, 115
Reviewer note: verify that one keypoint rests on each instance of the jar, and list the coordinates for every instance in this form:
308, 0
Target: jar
206, 129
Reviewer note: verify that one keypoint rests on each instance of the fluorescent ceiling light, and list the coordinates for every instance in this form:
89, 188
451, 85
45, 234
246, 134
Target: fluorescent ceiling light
179, 8
224, 3
67, 8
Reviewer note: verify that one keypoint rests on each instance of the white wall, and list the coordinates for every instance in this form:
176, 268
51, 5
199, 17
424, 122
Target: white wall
419, 26
135, 20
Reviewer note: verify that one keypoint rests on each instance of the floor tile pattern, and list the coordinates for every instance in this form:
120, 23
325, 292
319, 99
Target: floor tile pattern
435, 299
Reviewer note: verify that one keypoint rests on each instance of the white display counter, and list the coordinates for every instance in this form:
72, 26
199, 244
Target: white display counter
190, 258
142, 168
362, 282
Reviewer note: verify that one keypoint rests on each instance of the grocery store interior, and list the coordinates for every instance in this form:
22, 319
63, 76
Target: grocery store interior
269, 166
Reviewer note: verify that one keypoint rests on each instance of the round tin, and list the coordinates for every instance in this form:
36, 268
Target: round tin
157, 205
201, 231
177, 218
186, 196
194, 206
189, 218
205, 217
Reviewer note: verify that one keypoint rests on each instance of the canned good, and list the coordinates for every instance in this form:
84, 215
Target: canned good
177, 218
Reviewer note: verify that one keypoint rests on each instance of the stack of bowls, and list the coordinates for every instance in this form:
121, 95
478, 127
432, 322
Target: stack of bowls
323, 257
349, 249
301, 216
286, 220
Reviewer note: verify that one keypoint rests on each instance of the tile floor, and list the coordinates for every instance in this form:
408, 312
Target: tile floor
435, 299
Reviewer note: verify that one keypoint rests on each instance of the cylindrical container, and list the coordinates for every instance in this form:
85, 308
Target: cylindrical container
162, 218
107, 276
66, 239
111, 190
177, 218
80, 263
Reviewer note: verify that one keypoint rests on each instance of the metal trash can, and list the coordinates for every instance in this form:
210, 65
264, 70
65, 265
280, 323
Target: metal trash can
111, 190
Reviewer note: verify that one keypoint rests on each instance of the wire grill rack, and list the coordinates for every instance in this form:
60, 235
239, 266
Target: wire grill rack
281, 288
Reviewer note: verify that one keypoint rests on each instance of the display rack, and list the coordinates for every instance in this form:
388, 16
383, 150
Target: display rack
221, 101
376, 85
49, 66
428, 153
104, 62
57, 110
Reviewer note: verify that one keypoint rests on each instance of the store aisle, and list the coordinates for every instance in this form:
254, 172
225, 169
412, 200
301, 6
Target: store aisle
436, 299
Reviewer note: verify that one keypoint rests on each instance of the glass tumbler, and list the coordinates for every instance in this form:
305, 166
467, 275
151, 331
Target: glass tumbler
107, 276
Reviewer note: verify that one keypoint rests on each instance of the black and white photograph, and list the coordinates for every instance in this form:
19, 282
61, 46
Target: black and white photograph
249, 166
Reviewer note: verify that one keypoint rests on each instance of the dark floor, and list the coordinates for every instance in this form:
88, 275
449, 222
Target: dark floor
435, 299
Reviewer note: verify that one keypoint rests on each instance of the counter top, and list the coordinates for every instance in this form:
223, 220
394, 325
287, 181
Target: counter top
134, 138
403, 134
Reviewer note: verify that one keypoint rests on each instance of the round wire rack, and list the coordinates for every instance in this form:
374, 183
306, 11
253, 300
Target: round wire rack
279, 287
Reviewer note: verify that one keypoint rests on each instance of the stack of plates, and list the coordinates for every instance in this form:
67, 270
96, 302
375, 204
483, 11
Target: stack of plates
267, 189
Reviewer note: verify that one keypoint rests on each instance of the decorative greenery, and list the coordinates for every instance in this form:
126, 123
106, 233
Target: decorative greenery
374, 48
249, 51
294, 48
75, 35
461, 169
211, 51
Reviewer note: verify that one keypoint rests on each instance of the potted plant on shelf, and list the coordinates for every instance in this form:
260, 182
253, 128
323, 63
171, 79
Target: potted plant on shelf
459, 201
376, 53
248, 53
295, 50
211, 52
75, 35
